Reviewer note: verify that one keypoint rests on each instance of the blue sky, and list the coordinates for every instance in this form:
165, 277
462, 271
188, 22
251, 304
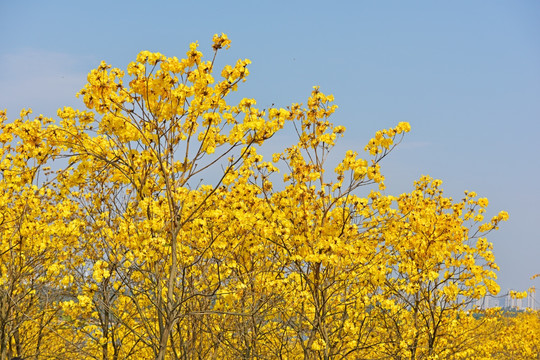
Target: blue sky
465, 74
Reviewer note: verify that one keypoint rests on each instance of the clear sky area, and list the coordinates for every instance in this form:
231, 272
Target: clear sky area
464, 74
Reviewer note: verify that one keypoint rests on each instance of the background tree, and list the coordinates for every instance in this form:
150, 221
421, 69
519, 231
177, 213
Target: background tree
37, 234
438, 262
514, 336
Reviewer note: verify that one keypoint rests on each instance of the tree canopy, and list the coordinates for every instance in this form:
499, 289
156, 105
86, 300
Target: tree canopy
112, 246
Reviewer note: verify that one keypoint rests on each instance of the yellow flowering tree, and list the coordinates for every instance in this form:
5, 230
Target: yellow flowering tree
324, 232
302, 272
514, 336
154, 139
37, 233
438, 261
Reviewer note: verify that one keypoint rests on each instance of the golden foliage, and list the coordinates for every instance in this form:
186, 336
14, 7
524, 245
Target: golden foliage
123, 251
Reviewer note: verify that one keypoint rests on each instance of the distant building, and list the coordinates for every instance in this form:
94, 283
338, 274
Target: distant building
531, 298
486, 302
512, 303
